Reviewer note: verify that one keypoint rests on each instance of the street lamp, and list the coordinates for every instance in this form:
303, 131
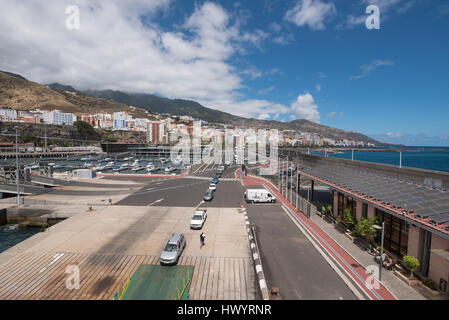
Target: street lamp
17, 166
381, 260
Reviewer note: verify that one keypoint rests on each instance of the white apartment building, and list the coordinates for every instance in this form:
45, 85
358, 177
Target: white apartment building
120, 120
57, 117
8, 114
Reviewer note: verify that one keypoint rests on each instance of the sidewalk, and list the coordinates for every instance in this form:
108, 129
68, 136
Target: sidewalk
401, 290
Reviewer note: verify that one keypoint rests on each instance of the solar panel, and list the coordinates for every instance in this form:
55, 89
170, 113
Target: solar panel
440, 218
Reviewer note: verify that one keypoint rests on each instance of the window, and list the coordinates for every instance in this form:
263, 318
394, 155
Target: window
364, 210
396, 234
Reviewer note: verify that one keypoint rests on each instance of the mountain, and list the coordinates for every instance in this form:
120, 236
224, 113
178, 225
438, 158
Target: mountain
61, 87
18, 93
177, 107
181, 107
13, 75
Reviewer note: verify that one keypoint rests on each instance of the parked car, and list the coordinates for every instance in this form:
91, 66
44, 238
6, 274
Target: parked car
215, 180
259, 195
172, 251
212, 186
209, 195
198, 219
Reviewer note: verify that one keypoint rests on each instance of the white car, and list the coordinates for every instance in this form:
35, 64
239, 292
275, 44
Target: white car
212, 186
198, 219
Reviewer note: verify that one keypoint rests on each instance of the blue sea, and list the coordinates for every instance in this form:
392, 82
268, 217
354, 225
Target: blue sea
10, 235
432, 158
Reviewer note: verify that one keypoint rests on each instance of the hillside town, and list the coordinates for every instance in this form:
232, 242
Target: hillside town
165, 126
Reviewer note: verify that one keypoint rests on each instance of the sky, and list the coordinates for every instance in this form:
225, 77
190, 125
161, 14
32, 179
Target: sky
265, 59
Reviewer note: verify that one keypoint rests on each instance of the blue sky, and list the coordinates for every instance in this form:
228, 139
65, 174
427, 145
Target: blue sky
283, 60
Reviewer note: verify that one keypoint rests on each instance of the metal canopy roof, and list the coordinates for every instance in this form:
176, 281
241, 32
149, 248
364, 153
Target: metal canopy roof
425, 201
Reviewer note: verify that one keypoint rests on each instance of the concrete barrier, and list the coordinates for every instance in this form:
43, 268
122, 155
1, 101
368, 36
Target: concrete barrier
256, 257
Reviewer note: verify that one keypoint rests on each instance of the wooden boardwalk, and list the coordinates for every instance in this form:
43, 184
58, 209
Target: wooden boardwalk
42, 276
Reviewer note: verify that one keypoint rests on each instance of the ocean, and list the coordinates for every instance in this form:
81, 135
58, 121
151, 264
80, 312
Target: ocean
10, 235
431, 158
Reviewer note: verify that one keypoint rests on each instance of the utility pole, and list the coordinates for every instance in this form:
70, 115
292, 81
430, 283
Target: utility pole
45, 138
17, 166
400, 159
286, 181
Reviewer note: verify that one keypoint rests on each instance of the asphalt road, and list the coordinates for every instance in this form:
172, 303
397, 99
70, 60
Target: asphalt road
185, 192
290, 261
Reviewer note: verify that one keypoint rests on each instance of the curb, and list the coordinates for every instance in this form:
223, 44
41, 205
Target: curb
256, 258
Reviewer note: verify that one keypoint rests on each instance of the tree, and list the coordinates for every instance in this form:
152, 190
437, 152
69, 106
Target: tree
86, 131
350, 219
411, 263
364, 227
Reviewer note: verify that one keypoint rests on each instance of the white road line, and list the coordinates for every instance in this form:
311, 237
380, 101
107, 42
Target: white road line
157, 201
55, 258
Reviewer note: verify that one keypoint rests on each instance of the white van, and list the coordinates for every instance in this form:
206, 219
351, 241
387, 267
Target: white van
259, 195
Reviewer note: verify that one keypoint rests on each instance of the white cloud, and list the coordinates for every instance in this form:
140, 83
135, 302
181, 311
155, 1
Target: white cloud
393, 135
252, 72
275, 27
370, 67
311, 13
331, 115
267, 90
274, 71
114, 49
318, 88
248, 108
305, 107
263, 116
284, 39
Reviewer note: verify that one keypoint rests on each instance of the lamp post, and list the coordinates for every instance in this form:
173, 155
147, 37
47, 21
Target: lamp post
381, 260
17, 166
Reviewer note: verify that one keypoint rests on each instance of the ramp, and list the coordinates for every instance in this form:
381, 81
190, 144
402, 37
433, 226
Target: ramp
156, 282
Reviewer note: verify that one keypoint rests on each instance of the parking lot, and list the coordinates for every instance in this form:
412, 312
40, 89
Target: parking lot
109, 244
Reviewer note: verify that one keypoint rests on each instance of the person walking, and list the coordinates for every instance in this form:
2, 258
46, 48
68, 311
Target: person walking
202, 237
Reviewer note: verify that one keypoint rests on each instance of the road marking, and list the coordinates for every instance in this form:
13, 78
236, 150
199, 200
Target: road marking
55, 258
157, 201
168, 188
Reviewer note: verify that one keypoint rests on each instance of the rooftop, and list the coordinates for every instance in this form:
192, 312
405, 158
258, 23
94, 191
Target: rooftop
427, 204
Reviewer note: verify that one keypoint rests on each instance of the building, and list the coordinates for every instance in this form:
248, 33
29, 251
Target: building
57, 117
7, 115
90, 119
120, 120
157, 133
412, 203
